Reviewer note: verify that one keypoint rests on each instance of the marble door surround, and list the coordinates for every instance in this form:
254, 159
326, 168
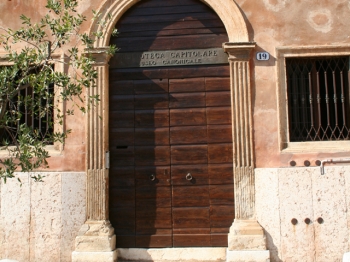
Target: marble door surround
96, 239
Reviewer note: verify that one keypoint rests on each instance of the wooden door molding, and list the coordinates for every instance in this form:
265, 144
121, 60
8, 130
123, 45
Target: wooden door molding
227, 10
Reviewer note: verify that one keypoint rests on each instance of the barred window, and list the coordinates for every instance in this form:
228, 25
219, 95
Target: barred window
318, 98
36, 115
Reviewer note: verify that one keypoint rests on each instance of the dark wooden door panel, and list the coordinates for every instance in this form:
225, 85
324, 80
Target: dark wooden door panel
188, 117
152, 155
219, 134
121, 118
222, 98
189, 155
151, 86
219, 240
121, 137
198, 173
122, 155
220, 174
186, 240
191, 218
188, 100
152, 118
188, 135
122, 197
153, 192
154, 240
218, 115
125, 241
151, 101
121, 102
153, 202
123, 225
221, 194
152, 176
220, 153
217, 84
186, 85
121, 87
221, 217
152, 136
190, 196
148, 219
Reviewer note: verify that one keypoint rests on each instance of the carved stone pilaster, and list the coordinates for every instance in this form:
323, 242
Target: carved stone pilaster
245, 232
96, 240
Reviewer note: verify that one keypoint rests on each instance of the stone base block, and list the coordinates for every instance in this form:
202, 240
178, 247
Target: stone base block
346, 257
246, 242
94, 256
248, 256
95, 243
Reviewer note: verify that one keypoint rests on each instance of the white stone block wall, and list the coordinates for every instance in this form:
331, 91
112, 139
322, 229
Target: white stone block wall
286, 193
39, 220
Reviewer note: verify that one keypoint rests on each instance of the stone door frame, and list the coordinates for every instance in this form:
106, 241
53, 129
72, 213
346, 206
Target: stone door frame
97, 234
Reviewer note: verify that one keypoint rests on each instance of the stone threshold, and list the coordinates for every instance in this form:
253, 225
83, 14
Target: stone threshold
172, 254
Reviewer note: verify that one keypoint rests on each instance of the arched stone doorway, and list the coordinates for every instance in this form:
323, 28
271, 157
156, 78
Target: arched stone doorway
97, 235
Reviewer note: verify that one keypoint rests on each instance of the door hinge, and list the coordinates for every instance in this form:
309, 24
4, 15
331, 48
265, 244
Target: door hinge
107, 159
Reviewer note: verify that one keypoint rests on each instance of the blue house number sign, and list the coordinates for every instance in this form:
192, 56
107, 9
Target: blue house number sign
262, 56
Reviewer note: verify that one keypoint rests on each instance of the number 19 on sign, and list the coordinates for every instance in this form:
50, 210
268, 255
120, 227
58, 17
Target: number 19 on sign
262, 56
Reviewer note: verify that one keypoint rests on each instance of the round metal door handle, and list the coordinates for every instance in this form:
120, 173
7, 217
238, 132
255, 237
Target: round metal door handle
152, 177
189, 177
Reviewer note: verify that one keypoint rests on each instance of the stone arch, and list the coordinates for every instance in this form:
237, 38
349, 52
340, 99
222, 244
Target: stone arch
227, 10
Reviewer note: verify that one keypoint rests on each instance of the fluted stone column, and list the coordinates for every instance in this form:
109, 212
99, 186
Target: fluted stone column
246, 236
96, 240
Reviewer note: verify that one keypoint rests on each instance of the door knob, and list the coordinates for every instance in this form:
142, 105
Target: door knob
152, 177
189, 177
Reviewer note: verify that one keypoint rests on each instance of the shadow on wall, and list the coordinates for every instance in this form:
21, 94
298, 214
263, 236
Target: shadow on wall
272, 247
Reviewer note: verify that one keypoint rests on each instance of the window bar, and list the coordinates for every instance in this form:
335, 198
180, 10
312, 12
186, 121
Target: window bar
335, 108
303, 99
311, 106
318, 104
342, 97
327, 100
295, 102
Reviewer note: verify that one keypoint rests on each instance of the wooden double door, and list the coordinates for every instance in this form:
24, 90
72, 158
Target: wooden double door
171, 174
171, 157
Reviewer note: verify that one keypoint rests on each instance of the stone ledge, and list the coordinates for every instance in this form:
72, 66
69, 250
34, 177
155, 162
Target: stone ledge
248, 256
94, 256
172, 254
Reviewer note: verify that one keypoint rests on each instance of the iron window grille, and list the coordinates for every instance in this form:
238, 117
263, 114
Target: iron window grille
318, 98
37, 116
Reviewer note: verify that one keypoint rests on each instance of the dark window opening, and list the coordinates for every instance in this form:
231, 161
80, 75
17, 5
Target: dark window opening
318, 98
38, 115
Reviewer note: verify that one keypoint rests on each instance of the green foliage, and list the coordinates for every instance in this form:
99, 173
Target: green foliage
26, 84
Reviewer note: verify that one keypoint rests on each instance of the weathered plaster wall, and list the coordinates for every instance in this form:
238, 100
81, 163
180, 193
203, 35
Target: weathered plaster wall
39, 221
286, 193
277, 23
